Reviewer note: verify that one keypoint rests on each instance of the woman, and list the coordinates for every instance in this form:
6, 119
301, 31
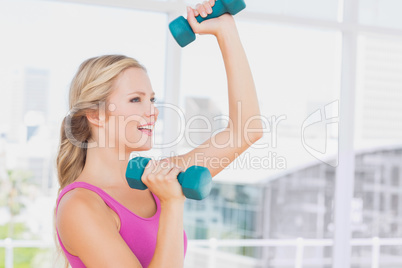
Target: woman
102, 222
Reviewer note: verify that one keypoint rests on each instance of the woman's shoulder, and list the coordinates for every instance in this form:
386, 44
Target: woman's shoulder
80, 212
80, 203
83, 201
78, 197
80, 193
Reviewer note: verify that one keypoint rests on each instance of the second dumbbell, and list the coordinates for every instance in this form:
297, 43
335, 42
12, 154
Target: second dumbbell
182, 31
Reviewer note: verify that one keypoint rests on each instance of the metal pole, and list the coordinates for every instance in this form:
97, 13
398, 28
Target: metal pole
375, 255
9, 252
172, 124
299, 253
344, 185
213, 246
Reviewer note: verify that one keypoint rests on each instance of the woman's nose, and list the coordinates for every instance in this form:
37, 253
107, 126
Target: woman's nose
152, 111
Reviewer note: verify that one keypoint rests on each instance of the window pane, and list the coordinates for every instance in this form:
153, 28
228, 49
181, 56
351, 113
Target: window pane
297, 76
379, 117
320, 9
296, 72
385, 13
62, 35
377, 210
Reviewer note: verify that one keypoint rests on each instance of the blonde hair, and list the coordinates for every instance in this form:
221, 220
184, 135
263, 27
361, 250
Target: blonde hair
91, 86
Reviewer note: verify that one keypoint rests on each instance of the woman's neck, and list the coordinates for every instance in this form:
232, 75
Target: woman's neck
103, 167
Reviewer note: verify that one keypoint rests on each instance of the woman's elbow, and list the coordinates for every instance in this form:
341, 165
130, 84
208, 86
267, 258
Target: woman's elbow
257, 136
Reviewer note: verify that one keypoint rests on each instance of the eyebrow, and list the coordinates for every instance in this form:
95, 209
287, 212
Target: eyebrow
140, 92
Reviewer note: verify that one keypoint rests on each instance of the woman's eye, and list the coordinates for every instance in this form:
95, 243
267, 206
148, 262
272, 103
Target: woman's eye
138, 99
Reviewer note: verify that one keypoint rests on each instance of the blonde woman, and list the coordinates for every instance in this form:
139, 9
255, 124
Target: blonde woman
102, 222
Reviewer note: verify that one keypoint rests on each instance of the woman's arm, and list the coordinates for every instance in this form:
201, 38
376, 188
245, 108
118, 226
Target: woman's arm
169, 251
161, 178
245, 126
243, 101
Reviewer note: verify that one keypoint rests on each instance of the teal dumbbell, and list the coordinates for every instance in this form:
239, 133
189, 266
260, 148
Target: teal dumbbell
196, 181
181, 29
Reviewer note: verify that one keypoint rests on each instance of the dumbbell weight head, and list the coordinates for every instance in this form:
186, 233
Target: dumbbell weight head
181, 31
234, 6
134, 171
195, 182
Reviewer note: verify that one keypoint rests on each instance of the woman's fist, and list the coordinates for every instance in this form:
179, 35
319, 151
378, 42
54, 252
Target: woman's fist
213, 26
161, 179
204, 9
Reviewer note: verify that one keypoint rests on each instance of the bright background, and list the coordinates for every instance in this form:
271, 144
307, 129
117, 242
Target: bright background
330, 172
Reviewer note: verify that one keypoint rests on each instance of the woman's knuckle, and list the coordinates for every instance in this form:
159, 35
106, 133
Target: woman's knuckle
150, 164
151, 176
166, 164
147, 165
145, 180
179, 168
171, 165
159, 177
170, 177
206, 5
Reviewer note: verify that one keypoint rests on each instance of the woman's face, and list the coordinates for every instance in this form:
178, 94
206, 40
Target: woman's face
130, 106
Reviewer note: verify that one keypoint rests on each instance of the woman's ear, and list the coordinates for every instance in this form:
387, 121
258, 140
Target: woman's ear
95, 118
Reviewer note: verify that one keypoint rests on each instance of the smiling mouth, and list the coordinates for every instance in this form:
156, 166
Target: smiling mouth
147, 129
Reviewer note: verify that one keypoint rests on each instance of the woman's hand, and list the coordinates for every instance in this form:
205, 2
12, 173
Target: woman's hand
161, 179
215, 26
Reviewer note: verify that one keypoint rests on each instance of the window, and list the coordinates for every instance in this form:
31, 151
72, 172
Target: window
43, 44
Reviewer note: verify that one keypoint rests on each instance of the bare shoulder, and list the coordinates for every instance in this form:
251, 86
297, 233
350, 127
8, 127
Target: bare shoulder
77, 209
86, 227
80, 200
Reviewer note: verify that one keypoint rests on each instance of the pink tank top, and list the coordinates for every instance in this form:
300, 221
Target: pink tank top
139, 233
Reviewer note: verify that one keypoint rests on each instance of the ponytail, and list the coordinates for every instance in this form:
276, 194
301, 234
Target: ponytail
71, 158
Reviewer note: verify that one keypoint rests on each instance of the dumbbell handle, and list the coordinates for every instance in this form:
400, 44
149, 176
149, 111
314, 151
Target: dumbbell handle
135, 170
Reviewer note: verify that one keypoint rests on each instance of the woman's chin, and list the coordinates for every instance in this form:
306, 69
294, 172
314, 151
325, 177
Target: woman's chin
144, 147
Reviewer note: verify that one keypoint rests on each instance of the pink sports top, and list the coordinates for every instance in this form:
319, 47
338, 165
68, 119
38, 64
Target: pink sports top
139, 233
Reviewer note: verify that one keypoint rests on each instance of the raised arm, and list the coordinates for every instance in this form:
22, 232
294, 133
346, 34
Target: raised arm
245, 126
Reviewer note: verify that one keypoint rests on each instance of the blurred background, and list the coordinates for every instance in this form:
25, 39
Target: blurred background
322, 188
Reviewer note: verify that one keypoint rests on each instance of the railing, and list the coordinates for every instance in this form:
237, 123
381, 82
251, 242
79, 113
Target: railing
213, 244
299, 244
9, 245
